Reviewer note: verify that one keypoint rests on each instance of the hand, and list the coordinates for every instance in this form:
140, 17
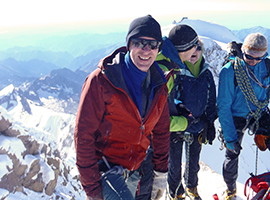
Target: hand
182, 110
267, 143
208, 133
97, 197
159, 185
262, 141
211, 133
235, 147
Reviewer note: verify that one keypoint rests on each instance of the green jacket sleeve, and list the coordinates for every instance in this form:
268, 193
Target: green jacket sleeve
170, 81
178, 123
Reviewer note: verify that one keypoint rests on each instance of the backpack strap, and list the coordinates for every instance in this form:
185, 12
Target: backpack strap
165, 63
267, 63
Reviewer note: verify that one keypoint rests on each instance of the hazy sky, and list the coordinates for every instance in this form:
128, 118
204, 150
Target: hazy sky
109, 15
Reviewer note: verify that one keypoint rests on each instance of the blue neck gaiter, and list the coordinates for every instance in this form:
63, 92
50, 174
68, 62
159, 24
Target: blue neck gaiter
134, 79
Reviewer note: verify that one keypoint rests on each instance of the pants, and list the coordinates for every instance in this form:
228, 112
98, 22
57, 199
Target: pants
118, 183
230, 164
175, 163
146, 171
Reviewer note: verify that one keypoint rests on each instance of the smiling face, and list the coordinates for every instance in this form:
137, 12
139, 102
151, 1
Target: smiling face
143, 58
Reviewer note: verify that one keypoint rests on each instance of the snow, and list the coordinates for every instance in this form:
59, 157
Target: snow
206, 29
3, 193
56, 129
28, 160
6, 91
12, 145
47, 172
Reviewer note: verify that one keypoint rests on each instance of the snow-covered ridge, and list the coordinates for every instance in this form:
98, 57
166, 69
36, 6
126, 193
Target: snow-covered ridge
37, 126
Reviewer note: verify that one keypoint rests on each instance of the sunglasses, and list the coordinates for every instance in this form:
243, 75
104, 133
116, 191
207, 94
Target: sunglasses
141, 43
198, 48
258, 58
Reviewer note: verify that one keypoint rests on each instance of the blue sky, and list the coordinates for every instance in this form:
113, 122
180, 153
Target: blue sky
107, 15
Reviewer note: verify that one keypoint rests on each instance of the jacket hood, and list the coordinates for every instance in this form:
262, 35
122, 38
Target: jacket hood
169, 51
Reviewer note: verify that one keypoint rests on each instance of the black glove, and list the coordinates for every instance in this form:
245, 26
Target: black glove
267, 143
182, 110
211, 133
262, 131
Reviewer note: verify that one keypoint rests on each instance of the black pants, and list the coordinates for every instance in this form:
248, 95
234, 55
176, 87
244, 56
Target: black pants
230, 165
175, 163
146, 171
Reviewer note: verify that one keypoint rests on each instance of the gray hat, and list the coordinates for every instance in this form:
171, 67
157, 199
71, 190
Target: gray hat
255, 43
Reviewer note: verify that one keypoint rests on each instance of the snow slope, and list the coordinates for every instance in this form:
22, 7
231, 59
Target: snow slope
56, 129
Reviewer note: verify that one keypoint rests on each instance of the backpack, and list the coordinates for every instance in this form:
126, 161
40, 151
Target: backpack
235, 50
260, 185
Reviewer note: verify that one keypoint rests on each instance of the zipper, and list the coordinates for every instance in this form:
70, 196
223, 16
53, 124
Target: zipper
106, 140
143, 127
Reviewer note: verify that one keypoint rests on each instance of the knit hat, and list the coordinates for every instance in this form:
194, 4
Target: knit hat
145, 26
255, 44
183, 37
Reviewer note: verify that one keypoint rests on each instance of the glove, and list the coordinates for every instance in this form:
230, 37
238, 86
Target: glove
182, 110
267, 143
211, 133
159, 185
98, 197
234, 147
261, 139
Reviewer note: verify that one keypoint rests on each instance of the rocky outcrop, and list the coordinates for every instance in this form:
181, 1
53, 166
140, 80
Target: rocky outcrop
38, 167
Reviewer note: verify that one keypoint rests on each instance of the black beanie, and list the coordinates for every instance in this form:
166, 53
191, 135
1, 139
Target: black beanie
183, 37
145, 26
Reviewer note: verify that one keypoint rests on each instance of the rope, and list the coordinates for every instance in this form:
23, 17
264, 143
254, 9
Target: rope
244, 84
256, 162
189, 139
266, 194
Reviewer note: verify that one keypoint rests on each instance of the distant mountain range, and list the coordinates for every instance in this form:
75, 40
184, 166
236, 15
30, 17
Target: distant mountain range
61, 51
38, 105
241, 34
27, 57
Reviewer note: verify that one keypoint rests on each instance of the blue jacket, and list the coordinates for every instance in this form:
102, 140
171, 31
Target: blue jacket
197, 94
231, 101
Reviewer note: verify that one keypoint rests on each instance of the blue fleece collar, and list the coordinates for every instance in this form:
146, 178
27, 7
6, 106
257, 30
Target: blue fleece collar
134, 79
169, 51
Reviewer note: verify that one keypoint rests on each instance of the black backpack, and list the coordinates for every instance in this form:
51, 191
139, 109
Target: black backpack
235, 50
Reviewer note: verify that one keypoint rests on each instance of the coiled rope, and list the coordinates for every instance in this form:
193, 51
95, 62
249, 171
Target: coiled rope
244, 84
